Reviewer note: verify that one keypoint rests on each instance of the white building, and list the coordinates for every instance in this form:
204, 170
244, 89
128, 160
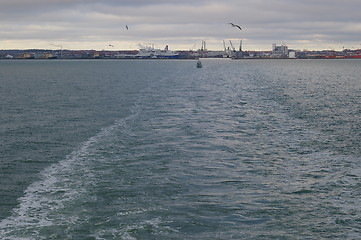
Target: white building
292, 54
279, 51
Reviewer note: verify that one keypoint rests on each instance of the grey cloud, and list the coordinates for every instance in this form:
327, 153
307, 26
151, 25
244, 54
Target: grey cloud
175, 21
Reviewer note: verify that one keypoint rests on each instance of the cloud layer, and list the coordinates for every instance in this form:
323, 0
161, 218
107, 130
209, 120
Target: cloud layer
182, 24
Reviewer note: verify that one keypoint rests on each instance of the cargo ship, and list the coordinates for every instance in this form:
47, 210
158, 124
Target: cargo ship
151, 53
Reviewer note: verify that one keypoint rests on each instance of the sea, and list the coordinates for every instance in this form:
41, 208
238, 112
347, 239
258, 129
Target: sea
160, 149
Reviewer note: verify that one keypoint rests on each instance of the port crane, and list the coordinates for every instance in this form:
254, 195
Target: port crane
236, 54
232, 46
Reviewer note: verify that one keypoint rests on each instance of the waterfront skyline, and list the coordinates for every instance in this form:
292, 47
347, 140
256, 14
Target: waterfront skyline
112, 25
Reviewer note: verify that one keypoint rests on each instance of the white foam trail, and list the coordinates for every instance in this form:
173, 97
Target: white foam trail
59, 186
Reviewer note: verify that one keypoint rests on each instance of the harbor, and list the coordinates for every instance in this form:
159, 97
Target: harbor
150, 52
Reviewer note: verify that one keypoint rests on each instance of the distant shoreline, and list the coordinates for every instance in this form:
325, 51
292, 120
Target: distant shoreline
152, 54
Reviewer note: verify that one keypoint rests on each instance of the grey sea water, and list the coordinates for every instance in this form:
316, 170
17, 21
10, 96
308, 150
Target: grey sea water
103, 149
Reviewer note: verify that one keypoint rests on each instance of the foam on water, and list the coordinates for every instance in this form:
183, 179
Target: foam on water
45, 203
54, 207
198, 158
60, 185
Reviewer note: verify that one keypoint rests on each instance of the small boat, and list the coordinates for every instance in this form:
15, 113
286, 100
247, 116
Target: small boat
199, 64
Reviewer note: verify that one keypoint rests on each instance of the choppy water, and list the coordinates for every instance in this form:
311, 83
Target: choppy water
163, 150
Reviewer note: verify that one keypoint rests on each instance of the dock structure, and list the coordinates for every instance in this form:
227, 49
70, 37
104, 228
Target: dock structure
230, 50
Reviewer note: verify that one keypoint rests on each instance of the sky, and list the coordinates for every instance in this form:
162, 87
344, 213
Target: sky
181, 24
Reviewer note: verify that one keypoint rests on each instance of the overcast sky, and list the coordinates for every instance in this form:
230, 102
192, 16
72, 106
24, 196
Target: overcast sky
181, 24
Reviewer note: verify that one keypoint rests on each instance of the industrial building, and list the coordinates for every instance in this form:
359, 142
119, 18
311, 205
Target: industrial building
279, 51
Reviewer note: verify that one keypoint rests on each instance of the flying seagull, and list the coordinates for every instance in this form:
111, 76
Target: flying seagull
235, 25
111, 45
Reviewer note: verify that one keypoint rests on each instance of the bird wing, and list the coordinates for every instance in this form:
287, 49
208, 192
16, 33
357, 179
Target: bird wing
235, 25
